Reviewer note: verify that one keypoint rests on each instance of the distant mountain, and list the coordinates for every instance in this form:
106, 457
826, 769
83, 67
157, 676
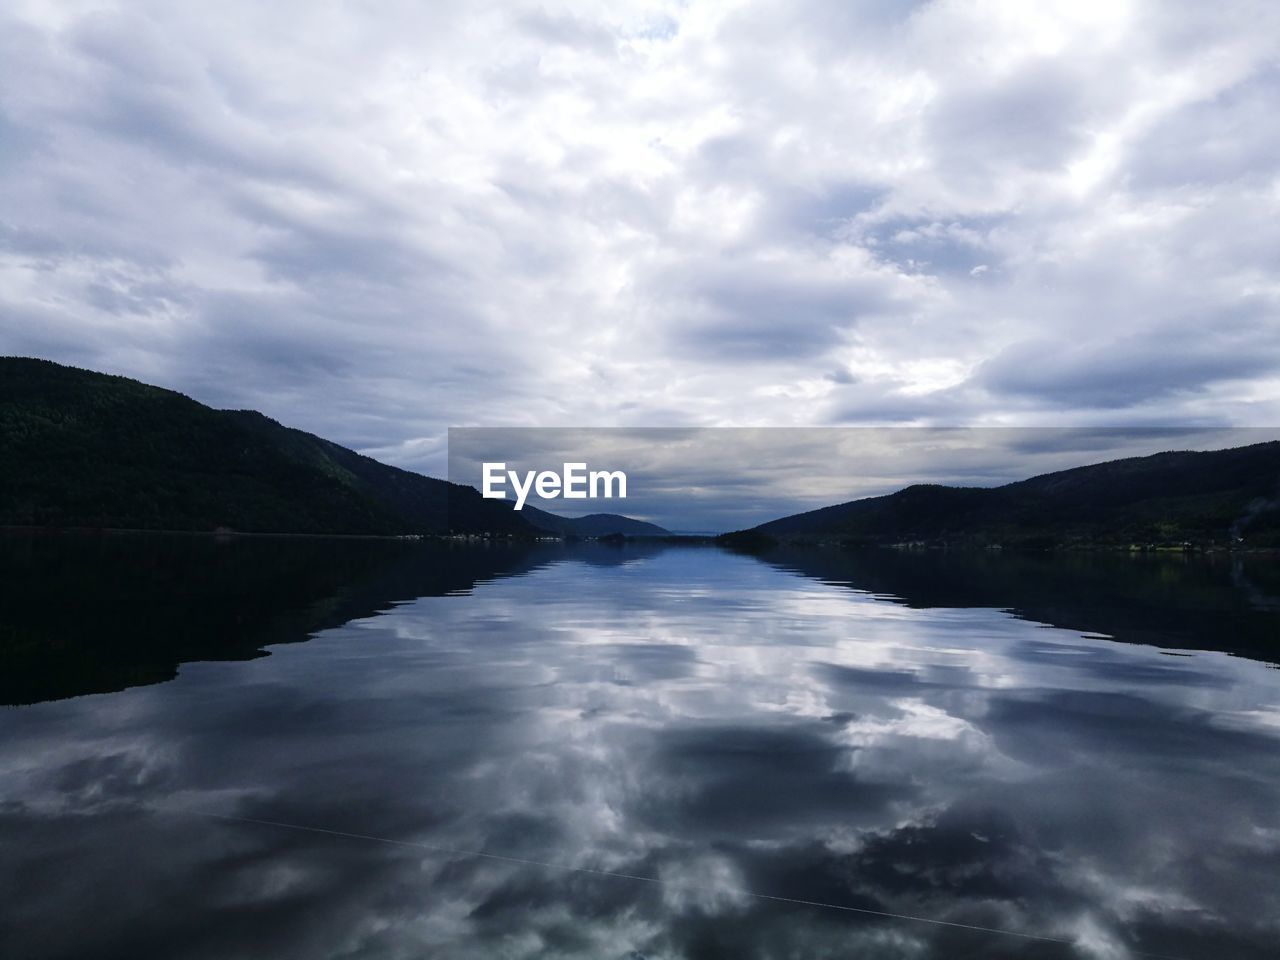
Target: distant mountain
593, 525
1216, 497
84, 449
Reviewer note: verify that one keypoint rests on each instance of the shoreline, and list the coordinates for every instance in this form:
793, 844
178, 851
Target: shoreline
674, 539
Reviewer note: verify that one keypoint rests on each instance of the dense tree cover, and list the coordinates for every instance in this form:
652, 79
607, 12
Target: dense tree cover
1215, 498
84, 449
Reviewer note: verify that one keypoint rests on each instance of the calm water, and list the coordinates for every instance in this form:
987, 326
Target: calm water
605, 752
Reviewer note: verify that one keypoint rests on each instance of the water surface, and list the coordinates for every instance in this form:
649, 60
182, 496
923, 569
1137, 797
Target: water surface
633, 752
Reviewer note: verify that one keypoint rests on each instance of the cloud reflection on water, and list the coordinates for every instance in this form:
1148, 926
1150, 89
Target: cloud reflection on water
721, 724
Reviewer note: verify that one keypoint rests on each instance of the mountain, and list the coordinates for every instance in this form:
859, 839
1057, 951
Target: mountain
84, 449
1218, 497
593, 525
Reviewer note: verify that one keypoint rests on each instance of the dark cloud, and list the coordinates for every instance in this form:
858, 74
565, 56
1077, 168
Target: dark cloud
1224, 138
1128, 371
385, 225
767, 312
916, 244
1030, 118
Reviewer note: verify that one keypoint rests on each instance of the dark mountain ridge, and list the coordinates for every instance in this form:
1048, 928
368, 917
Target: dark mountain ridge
593, 525
86, 449
1205, 498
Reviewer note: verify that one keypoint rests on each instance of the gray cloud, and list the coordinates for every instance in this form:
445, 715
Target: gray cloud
769, 214
1129, 371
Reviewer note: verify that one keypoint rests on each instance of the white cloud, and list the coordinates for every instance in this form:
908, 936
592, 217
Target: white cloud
377, 222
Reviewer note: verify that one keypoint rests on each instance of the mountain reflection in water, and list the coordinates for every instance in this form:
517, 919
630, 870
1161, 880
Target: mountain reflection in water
949, 740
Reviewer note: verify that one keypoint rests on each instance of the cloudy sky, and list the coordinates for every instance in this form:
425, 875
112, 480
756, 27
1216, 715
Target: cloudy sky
376, 221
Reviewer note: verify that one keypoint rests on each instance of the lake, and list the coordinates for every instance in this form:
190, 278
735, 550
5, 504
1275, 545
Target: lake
632, 752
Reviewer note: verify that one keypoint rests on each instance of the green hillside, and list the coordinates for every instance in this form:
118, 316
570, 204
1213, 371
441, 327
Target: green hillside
84, 449
1215, 498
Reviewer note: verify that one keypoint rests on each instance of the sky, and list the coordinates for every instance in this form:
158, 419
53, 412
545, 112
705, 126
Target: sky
378, 221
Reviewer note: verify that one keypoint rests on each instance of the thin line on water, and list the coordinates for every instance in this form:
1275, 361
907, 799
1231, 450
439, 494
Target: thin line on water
454, 851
